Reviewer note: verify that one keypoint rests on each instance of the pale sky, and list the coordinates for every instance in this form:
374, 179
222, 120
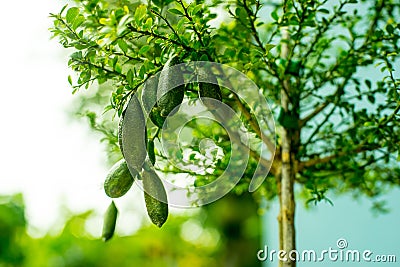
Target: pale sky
45, 155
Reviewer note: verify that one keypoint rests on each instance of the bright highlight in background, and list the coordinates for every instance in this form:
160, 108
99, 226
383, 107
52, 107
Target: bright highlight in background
48, 158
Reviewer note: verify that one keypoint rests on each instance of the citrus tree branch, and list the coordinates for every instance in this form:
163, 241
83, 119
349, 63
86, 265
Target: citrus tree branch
252, 17
360, 148
200, 38
159, 36
168, 24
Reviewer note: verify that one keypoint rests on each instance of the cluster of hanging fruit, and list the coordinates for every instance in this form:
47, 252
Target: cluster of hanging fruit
138, 151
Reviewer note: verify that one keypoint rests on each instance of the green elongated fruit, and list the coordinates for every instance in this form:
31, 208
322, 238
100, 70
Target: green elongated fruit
110, 220
155, 197
149, 101
209, 90
169, 78
150, 151
132, 135
149, 94
119, 180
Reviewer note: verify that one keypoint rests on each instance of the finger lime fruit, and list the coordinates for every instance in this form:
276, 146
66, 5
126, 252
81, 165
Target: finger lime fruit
171, 89
150, 151
149, 93
110, 219
119, 180
149, 101
155, 197
133, 135
209, 89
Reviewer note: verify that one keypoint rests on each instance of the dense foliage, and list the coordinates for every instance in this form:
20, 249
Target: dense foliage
341, 64
73, 245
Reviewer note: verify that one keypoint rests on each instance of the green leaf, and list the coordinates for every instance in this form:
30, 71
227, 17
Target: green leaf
369, 123
148, 24
196, 9
103, 21
70, 79
142, 72
275, 16
113, 61
149, 65
323, 10
71, 14
140, 13
175, 11
389, 29
240, 13
107, 109
118, 68
204, 57
144, 49
123, 45
268, 47
286, 120
368, 83
78, 22
293, 68
63, 8
181, 27
129, 77
76, 55
230, 52
371, 99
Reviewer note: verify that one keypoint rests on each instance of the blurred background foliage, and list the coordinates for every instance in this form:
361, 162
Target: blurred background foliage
215, 235
224, 233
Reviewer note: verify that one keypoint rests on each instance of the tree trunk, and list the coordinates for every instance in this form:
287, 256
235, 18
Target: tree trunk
286, 197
